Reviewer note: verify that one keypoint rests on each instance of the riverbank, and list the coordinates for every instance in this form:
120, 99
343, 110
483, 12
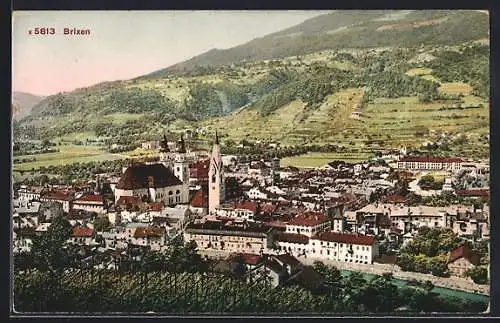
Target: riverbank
457, 283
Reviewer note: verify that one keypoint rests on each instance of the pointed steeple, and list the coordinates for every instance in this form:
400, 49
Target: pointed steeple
182, 145
216, 141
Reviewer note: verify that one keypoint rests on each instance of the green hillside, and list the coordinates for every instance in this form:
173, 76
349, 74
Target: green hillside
350, 29
362, 98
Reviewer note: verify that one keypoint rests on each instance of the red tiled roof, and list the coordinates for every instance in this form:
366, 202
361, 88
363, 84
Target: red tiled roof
144, 176
293, 238
308, 219
243, 205
156, 206
199, 170
425, 159
345, 238
250, 259
396, 199
90, 199
57, 195
463, 252
200, 199
82, 232
476, 192
124, 200
276, 224
144, 232
268, 208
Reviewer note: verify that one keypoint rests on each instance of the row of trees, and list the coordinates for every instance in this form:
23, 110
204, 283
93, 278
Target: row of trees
428, 251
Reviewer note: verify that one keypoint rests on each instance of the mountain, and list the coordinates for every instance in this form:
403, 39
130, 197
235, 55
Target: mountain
349, 29
23, 102
410, 73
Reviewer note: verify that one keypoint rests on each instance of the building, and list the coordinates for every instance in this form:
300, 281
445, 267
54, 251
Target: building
198, 172
30, 193
91, 203
216, 186
354, 248
150, 145
154, 183
245, 210
430, 163
153, 237
246, 238
82, 236
460, 260
257, 194
65, 198
308, 223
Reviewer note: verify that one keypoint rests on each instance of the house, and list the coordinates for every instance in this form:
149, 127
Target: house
308, 223
27, 193
91, 203
64, 198
198, 172
275, 272
257, 194
430, 163
243, 210
259, 168
83, 236
460, 260
292, 243
23, 239
153, 237
246, 238
152, 182
354, 248
199, 201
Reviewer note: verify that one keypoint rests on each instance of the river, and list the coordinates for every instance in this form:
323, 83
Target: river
440, 290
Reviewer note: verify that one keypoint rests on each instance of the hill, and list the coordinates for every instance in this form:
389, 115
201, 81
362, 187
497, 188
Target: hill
364, 98
349, 29
23, 102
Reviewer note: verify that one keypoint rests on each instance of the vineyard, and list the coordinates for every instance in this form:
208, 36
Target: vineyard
101, 291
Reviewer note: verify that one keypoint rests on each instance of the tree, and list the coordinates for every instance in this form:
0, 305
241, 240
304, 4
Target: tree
50, 251
102, 224
478, 274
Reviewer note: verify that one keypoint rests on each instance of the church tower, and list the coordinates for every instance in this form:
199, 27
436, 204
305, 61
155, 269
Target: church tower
216, 189
181, 164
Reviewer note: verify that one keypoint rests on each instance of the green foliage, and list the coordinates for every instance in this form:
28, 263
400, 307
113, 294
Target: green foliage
479, 274
100, 291
428, 182
469, 66
102, 224
427, 251
50, 251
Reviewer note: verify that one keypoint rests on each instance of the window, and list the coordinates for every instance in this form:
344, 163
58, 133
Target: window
341, 245
170, 192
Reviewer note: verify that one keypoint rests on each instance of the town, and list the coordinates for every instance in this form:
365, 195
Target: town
370, 217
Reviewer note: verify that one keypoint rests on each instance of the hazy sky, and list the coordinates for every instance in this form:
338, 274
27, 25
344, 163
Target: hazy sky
126, 44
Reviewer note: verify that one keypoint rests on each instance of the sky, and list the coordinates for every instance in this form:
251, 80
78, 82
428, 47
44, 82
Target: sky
126, 44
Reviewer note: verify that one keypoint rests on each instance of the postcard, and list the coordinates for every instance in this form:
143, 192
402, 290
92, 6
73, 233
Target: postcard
322, 163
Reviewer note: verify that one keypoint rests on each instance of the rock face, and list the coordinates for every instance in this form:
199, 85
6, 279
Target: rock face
22, 103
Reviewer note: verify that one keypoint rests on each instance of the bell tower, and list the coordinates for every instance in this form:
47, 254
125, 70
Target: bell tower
216, 189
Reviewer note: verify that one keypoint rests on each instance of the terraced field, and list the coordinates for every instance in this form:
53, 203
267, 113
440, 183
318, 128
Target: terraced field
66, 155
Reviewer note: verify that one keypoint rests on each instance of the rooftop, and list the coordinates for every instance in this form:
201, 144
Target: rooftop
345, 238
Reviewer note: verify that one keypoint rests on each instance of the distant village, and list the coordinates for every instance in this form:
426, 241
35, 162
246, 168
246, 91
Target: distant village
273, 217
